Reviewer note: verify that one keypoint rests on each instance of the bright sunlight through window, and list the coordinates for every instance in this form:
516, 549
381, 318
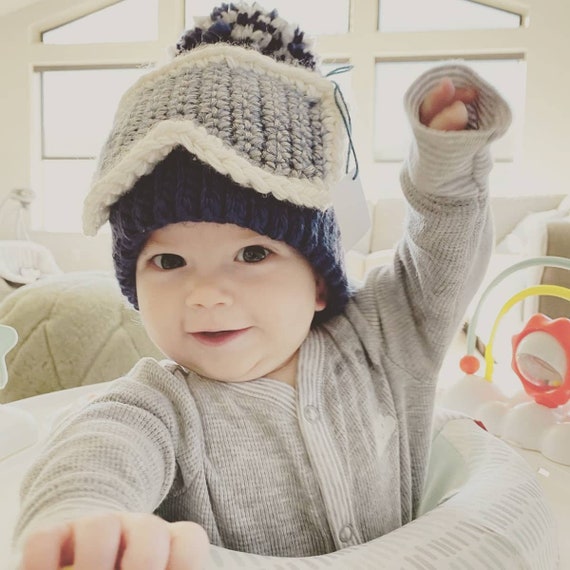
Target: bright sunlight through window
417, 15
76, 114
126, 21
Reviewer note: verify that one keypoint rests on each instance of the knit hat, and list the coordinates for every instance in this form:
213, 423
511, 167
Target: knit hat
239, 127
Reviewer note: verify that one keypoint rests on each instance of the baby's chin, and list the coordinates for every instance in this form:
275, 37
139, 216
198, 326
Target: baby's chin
238, 365
227, 379
232, 376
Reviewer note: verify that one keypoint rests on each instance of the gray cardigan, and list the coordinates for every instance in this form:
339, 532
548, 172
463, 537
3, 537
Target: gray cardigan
341, 458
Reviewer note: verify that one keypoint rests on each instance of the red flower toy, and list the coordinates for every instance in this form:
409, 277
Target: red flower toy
541, 359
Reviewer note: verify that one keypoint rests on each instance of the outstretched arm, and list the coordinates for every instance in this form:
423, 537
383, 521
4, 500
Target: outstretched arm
88, 499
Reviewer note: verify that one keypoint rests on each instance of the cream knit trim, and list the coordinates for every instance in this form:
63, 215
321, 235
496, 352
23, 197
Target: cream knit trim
166, 135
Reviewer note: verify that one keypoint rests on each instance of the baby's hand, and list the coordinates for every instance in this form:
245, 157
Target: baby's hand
130, 541
444, 106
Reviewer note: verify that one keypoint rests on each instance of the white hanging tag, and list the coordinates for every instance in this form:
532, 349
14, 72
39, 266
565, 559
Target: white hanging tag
351, 210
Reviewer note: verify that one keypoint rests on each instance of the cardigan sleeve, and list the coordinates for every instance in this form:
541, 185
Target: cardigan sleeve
414, 306
116, 453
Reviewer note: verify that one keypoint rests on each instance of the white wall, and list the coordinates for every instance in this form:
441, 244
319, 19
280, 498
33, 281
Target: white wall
546, 143
546, 130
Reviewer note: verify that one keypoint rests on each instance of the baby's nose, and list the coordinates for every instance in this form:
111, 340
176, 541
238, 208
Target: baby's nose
207, 294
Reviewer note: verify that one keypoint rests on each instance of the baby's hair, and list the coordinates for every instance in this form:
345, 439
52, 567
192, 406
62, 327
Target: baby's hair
253, 27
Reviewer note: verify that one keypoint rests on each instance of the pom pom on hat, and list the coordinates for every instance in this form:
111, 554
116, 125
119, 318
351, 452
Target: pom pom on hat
251, 26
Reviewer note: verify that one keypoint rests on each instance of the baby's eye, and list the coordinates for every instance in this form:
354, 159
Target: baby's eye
253, 253
168, 261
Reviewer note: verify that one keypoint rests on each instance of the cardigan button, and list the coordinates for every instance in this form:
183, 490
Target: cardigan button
345, 533
311, 414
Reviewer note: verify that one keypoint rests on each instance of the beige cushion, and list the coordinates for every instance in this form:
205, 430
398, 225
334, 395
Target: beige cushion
74, 329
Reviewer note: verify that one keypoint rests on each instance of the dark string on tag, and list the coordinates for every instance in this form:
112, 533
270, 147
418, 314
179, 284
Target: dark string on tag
345, 114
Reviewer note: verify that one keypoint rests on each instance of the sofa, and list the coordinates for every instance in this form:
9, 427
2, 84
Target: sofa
557, 244
523, 226
76, 329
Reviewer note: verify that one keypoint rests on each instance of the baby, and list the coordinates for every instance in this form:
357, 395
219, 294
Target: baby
293, 415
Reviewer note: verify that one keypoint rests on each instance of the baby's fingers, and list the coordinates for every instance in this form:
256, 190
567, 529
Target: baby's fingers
97, 542
188, 546
45, 549
147, 543
436, 100
443, 95
452, 118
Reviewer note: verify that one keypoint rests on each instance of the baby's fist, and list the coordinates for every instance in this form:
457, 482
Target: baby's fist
107, 541
444, 107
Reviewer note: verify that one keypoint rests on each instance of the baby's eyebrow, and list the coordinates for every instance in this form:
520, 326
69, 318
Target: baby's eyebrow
146, 247
259, 239
157, 241
153, 247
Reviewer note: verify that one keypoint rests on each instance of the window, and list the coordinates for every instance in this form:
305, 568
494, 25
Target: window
76, 113
126, 21
411, 37
413, 15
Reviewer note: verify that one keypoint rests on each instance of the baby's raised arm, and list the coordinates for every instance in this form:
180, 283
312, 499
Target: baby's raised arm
136, 541
455, 116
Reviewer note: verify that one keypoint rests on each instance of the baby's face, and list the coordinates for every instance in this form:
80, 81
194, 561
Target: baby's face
226, 302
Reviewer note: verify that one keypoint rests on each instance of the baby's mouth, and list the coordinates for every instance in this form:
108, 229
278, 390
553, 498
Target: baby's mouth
215, 334
217, 338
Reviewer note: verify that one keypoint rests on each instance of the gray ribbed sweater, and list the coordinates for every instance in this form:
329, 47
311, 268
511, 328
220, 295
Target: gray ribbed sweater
341, 458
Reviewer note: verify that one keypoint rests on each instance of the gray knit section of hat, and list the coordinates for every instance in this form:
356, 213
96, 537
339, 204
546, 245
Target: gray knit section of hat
263, 118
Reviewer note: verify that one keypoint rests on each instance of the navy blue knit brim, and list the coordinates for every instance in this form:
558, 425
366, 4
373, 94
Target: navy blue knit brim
181, 188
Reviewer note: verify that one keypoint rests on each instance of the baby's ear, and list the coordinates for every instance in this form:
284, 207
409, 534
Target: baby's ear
321, 294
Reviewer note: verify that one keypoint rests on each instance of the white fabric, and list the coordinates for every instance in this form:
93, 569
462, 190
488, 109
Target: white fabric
23, 261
